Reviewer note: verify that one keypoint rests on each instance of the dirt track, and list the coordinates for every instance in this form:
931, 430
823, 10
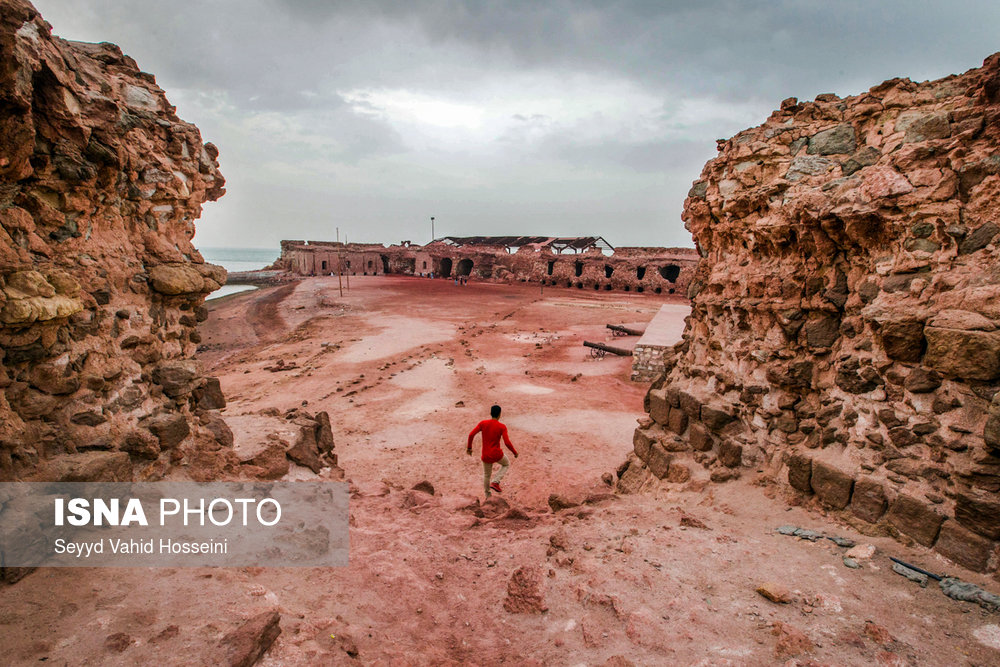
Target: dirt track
408, 367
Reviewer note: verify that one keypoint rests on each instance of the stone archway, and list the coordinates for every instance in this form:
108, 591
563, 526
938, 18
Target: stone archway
464, 267
445, 270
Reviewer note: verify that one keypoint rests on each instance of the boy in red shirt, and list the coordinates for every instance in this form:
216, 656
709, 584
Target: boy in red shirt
492, 431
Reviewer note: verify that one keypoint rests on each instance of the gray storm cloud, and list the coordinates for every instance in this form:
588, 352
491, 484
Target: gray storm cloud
515, 117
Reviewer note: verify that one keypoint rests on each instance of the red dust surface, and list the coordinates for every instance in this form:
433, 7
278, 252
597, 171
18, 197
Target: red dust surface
406, 367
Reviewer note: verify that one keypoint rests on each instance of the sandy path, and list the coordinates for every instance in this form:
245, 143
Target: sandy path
408, 367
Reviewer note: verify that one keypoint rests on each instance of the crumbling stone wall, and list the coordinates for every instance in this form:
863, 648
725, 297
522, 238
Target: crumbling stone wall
654, 270
100, 287
845, 327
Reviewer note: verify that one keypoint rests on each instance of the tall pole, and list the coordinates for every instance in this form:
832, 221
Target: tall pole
340, 265
432, 229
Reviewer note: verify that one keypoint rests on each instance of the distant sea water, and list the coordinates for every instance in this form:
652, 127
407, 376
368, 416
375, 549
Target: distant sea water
238, 259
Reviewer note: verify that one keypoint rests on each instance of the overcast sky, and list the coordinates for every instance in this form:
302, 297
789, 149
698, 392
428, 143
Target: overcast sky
520, 117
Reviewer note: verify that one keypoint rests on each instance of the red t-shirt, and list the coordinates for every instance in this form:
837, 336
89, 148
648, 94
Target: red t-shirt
492, 431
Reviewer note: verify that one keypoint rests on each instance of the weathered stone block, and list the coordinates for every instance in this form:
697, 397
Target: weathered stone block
643, 438
633, 477
916, 519
800, 472
972, 355
209, 395
174, 279
716, 417
659, 460
922, 381
141, 444
176, 377
831, 485
903, 340
678, 473
169, 428
673, 396
677, 420
730, 453
963, 546
979, 512
700, 437
822, 331
691, 405
245, 645
834, 141
868, 501
658, 407
978, 239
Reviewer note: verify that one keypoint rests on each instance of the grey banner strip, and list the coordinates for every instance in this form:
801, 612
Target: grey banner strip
174, 524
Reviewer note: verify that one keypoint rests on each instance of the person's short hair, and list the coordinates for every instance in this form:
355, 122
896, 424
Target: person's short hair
495, 411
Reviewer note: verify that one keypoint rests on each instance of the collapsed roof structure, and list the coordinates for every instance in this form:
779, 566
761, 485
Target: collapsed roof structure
512, 243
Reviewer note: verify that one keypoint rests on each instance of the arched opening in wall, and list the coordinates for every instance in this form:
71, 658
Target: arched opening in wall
410, 265
627, 288
552, 265
608, 270
672, 290
323, 266
607, 287
640, 289
640, 272
658, 290
425, 265
579, 285
445, 267
597, 286
385, 263
464, 267
670, 272
578, 268
371, 265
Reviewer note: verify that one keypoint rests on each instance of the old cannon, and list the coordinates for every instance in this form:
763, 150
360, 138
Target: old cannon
621, 330
598, 350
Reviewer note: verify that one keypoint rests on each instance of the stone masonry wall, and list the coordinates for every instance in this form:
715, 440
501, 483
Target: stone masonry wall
653, 270
845, 327
100, 287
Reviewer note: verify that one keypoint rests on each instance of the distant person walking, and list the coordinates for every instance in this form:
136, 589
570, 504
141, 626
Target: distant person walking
492, 431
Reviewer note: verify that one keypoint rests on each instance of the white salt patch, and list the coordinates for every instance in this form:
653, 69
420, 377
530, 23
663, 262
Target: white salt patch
988, 635
533, 389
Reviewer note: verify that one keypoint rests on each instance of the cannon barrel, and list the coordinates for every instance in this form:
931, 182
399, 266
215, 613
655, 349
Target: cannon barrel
607, 348
621, 330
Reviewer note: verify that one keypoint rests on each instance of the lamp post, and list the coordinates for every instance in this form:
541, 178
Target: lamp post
432, 229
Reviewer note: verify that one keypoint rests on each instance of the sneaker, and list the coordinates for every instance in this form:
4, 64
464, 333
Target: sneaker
495, 487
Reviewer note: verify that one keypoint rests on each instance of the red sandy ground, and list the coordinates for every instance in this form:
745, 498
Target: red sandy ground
410, 367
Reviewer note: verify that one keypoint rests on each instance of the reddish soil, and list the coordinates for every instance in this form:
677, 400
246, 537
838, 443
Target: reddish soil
667, 576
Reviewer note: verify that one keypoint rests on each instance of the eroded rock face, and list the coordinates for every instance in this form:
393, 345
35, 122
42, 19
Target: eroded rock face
100, 287
846, 309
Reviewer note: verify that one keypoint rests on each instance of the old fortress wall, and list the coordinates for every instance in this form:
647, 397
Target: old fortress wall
845, 333
653, 270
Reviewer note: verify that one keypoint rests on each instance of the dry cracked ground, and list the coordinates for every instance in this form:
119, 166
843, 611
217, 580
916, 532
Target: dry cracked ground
405, 367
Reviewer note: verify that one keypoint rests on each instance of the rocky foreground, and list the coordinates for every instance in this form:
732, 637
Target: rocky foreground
101, 290
437, 576
845, 329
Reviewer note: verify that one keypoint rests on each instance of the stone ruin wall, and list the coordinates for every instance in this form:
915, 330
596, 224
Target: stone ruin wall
654, 270
845, 331
100, 287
